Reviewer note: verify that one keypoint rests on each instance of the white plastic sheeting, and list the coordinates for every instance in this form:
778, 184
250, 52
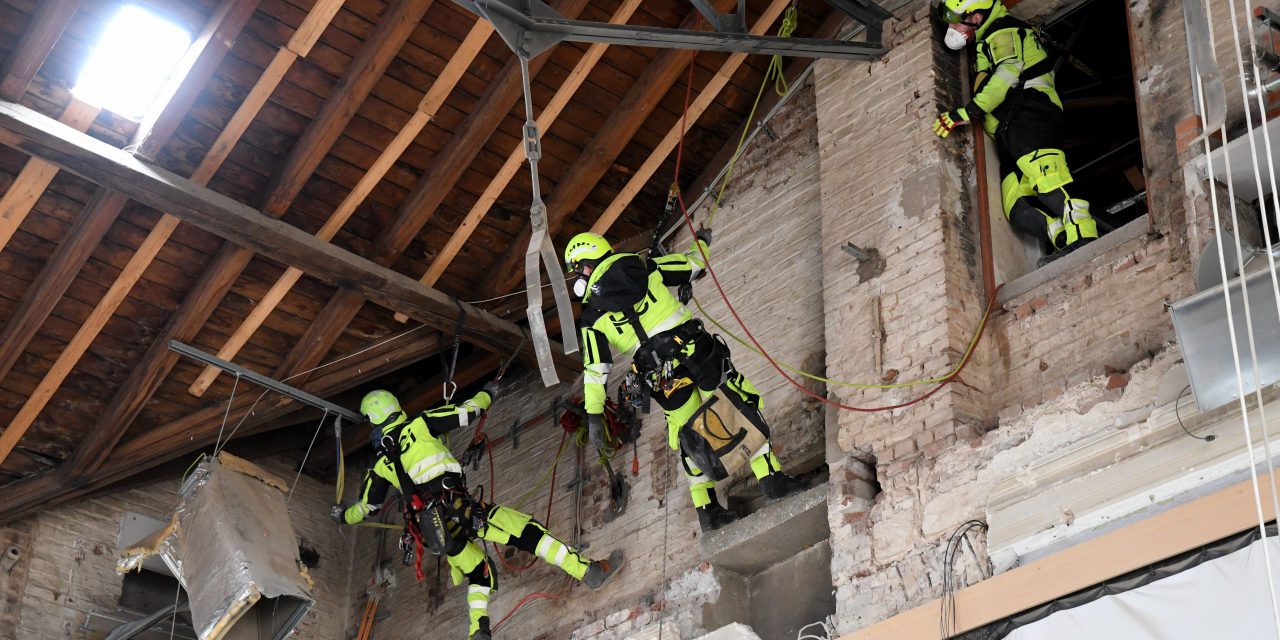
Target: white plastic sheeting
1223, 599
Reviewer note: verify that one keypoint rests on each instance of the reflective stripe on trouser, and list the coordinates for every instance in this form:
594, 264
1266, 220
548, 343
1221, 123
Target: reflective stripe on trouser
506, 525
553, 551
763, 464
477, 606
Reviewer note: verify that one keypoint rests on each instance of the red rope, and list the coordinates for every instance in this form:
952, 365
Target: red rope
550, 500
689, 223
537, 595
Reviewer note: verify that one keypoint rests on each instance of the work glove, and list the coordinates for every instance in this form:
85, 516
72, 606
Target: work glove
949, 120
595, 429
704, 234
339, 513
491, 388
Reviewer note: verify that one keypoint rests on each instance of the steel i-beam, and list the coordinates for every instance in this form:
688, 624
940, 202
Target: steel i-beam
531, 27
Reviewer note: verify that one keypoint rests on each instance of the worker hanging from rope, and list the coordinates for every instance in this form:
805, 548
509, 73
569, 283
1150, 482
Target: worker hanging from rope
1015, 98
441, 514
626, 305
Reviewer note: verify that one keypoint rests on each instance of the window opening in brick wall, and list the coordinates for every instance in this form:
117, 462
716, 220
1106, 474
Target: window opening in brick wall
131, 62
1101, 136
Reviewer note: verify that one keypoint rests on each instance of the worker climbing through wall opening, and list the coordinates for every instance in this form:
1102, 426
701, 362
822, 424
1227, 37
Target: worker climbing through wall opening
1015, 98
626, 305
441, 514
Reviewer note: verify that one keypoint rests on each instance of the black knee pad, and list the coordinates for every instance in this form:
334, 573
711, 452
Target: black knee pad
1029, 220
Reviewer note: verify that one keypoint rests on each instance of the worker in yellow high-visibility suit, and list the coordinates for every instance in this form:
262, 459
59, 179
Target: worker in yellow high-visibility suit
627, 306
412, 447
1016, 100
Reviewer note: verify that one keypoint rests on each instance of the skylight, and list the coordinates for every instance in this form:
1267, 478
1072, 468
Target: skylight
131, 61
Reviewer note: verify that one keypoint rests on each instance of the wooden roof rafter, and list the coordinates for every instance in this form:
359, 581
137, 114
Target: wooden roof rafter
607, 143
28, 131
516, 158
37, 42
431, 190
669, 142
222, 35
203, 57
65, 483
426, 111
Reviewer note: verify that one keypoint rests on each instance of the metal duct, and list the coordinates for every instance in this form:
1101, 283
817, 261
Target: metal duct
234, 550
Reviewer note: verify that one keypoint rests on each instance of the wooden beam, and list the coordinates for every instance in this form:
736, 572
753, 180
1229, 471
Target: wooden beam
33, 133
517, 158
56, 276
53, 280
343, 102
421, 204
189, 77
427, 109
107, 433
37, 174
50, 20
196, 431
577, 183
1088, 563
828, 30
699, 106
201, 61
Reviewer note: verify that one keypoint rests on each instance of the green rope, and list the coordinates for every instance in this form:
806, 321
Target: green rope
774, 73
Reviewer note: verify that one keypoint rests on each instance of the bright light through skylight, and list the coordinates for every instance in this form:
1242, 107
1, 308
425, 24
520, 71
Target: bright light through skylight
131, 61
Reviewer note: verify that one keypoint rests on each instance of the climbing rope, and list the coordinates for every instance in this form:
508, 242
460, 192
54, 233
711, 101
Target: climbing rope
774, 73
688, 219
973, 343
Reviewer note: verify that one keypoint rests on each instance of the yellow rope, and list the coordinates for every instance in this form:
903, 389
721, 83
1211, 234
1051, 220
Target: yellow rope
773, 73
546, 477
973, 343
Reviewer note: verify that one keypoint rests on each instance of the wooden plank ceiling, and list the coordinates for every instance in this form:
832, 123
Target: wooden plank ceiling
389, 128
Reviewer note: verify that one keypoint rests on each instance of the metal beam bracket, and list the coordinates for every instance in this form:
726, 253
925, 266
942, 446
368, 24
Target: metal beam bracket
264, 381
530, 27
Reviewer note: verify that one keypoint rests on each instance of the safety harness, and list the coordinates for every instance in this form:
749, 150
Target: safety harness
440, 518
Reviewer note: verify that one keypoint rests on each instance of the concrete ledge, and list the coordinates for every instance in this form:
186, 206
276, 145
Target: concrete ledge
772, 534
1073, 261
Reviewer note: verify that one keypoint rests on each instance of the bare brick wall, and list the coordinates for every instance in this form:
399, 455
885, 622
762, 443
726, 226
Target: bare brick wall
767, 252
1068, 360
69, 555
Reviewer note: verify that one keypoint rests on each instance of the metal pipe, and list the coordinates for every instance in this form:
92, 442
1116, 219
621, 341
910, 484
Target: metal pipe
264, 381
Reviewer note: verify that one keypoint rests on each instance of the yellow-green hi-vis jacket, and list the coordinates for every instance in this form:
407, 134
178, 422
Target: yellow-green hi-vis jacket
422, 454
629, 276
1011, 58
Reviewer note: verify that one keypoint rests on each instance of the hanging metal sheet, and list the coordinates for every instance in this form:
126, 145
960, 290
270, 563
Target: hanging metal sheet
233, 548
1201, 324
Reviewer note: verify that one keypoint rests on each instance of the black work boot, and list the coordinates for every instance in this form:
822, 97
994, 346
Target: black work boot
714, 516
779, 485
602, 571
483, 632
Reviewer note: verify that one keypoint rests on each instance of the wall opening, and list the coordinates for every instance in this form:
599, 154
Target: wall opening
1094, 80
131, 62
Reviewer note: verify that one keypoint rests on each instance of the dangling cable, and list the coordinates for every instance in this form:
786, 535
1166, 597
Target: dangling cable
302, 465
1275, 198
217, 444
1231, 330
